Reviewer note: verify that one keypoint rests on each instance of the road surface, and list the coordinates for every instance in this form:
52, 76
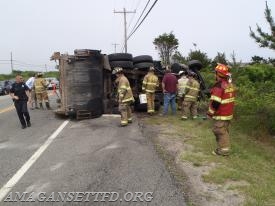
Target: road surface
88, 162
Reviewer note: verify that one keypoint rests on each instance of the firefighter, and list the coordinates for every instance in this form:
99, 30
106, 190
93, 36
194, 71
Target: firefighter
125, 96
181, 87
40, 85
190, 102
149, 85
221, 108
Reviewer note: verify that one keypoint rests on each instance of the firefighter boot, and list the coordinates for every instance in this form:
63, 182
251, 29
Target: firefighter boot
41, 106
48, 106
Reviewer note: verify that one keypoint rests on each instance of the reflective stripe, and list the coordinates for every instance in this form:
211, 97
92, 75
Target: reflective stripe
211, 111
223, 117
123, 122
189, 96
225, 149
128, 99
151, 110
215, 98
148, 90
193, 88
151, 83
225, 101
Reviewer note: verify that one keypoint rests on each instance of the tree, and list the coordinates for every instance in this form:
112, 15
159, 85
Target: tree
166, 44
178, 58
220, 58
257, 60
264, 39
198, 55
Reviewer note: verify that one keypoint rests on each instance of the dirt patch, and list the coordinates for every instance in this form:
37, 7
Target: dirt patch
189, 177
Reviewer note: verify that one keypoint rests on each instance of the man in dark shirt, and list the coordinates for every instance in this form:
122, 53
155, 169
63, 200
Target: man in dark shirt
169, 87
20, 94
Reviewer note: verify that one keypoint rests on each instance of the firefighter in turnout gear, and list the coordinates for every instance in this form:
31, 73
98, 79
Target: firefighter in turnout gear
40, 86
149, 85
181, 87
190, 102
125, 96
221, 108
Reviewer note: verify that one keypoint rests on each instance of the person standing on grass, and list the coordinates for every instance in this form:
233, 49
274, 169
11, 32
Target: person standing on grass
169, 87
21, 96
190, 102
149, 85
221, 108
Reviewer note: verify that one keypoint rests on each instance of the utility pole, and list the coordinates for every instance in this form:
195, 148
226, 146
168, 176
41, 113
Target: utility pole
46, 69
115, 46
125, 25
11, 64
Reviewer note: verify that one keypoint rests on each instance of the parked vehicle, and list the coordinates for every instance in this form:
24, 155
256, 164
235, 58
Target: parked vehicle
2, 90
7, 86
51, 82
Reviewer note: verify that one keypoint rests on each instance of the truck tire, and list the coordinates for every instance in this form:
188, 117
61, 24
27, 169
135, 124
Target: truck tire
195, 65
175, 68
120, 57
123, 64
142, 58
143, 65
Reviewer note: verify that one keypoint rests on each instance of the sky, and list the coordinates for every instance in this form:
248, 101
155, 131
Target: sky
33, 29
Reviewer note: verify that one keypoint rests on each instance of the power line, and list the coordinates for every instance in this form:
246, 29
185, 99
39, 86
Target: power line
140, 15
130, 22
143, 19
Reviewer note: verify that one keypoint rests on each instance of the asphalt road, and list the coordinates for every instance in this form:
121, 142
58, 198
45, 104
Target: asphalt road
88, 162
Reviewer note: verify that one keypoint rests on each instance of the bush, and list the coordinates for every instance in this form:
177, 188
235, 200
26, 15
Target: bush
255, 102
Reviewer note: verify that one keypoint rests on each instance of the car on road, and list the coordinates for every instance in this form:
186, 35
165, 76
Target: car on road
7, 85
51, 81
2, 90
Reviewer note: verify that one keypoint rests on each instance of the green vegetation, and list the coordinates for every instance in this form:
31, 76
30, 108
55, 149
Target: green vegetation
255, 103
250, 168
26, 74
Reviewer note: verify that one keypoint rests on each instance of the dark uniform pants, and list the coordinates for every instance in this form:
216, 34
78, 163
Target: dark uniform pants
221, 131
187, 107
22, 111
150, 102
126, 113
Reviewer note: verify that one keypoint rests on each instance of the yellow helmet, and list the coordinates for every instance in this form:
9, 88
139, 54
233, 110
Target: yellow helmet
117, 70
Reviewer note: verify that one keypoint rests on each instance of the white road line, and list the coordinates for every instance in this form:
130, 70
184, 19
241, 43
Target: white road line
19, 174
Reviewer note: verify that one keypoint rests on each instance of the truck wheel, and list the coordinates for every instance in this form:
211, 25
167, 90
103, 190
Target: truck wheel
143, 65
195, 65
123, 64
142, 58
120, 57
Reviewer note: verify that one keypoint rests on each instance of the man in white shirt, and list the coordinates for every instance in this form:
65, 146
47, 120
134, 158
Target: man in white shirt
30, 84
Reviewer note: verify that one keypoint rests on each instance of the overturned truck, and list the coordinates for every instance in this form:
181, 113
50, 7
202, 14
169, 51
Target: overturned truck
87, 88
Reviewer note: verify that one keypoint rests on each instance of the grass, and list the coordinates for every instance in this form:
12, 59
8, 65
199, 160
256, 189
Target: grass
251, 161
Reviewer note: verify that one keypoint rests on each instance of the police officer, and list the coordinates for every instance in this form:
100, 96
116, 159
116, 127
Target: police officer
125, 96
149, 85
21, 96
221, 108
40, 85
